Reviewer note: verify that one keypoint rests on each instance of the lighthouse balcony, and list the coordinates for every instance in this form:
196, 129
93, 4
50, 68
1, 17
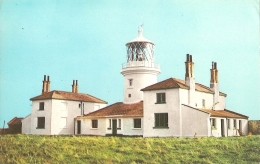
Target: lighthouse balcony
141, 64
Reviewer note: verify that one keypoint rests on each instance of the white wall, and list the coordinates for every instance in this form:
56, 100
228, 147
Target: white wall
41, 113
127, 126
26, 125
194, 122
172, 107
142, 77
207, 97
57, 113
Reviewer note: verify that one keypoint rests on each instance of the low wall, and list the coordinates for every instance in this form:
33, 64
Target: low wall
254, 126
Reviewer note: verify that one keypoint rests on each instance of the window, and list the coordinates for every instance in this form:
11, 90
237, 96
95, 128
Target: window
94, 123
63, 122
203, 103
109, 124
213, 123
235, 124
41, 123
130, 82
228, 123
129, 95
119, 124
160, 98
161, 120
41, 106
137, 123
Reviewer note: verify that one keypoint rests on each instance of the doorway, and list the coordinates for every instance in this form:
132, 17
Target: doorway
240, 126
222, 128
114, 127
78, 127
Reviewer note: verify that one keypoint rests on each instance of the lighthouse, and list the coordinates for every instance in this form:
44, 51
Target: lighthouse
140, 70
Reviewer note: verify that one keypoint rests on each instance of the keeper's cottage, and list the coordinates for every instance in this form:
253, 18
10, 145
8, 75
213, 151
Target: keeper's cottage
170, 108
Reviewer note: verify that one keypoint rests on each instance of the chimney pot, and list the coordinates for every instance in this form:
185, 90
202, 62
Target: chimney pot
190, 58
48, 78
215, 65
76, 82
44, 78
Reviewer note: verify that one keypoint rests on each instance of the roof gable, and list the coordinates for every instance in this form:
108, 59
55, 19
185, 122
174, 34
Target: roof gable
120, 109
177, 83
62, 95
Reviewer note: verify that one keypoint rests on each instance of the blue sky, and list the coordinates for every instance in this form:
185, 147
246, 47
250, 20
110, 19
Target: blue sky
85, 40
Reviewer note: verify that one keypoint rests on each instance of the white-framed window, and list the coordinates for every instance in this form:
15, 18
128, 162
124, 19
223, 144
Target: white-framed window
213, 123
41, 106
130, 82
203, 103
129, 95
137, 123
235, 124
119, 123
161, 120
228, 123
160, 98
94, 123
63, 122
40, 122
109, 124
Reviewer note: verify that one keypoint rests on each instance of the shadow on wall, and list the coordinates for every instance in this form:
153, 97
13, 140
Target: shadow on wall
254, 126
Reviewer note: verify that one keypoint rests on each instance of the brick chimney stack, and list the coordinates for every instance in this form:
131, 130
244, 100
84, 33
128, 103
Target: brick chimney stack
75, 86
46, 85
214, 86
190, 79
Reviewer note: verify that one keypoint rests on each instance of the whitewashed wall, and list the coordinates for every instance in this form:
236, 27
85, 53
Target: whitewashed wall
59, 116
194, 122
142, 77
127, 126
26, 125
172, 107
41, 113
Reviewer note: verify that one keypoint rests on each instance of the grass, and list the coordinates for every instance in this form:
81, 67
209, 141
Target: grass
84, 149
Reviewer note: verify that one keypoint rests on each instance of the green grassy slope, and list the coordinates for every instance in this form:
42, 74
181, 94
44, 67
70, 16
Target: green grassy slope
83, 149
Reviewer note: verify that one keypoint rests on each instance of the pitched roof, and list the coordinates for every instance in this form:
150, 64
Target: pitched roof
62, 95
15, 121
224, 113
120, 109
220, 113
177, 83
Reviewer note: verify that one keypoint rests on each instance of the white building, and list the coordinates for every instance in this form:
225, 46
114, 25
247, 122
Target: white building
53, 112
170, 108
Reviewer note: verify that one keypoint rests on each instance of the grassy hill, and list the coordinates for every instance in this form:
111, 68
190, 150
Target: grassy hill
83, 149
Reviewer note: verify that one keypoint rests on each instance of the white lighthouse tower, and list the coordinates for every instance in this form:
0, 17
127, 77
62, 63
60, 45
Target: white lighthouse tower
140, 70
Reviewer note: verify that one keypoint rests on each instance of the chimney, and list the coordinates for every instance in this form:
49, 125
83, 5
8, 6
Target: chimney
75, 86
214, 86
190, 79
189, 67
46, 85
213, 74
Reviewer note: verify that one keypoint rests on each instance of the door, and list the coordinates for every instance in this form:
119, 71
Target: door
222, 128
114, 127
78, 127
240, 126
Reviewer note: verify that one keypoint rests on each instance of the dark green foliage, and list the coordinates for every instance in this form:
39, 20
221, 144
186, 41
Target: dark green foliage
84, 149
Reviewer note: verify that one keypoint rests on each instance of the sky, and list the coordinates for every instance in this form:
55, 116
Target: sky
85, 41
